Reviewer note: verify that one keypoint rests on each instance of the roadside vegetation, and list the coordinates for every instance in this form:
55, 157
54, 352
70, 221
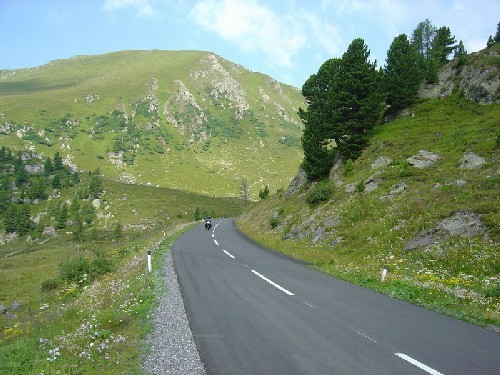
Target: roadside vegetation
352, 235
75, 296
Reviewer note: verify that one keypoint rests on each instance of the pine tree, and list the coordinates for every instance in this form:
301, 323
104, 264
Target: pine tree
75, 205
95, 186
319, 91
78, 228
443, 45
23, 220
422, 38
9, 218
490, 42
61, 216
497, 35
460, 54
402, 73
56, 181
48, 168
345, 100
357, 101
118, 231
58, 162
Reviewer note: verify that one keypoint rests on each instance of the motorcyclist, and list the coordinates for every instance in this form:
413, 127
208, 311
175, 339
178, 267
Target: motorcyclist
208, 223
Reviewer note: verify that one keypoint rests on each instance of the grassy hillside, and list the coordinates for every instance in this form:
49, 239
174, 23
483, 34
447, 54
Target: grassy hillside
353, 234
65, 297
178, 119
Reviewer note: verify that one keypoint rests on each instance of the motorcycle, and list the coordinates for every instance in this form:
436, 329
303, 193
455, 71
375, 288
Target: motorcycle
208, 225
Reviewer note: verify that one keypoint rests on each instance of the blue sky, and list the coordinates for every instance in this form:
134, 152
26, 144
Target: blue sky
287, 40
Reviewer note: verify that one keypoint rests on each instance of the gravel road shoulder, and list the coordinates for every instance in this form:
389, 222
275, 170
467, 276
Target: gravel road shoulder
171, 343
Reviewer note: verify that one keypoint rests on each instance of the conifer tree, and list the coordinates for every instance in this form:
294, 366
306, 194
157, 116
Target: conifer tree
497, 35
58, 162
345, 100
23, 220
490, 42
95, 186
443, 45
460, 54
61, 216
357, 103
9, 218
48, 168
402, 73
78, 228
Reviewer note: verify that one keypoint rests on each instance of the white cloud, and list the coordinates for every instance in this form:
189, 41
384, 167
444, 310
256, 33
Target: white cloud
253, 27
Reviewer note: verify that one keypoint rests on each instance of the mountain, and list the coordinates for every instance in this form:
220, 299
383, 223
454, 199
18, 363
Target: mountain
422, 202
188, 120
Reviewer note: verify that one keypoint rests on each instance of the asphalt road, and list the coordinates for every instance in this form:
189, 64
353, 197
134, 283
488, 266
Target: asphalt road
253, 311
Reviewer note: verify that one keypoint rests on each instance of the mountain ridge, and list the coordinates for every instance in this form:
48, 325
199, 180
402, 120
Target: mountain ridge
191, 112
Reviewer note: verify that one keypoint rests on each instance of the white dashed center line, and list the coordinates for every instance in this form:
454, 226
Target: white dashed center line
418, 364
228, 254
273, 283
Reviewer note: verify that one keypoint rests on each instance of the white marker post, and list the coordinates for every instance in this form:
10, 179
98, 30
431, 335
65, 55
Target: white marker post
149, 261
384, 272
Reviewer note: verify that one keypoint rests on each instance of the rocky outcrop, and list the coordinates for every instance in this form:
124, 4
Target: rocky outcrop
423, 159
479, 82
471, 161
297, 183
463, 224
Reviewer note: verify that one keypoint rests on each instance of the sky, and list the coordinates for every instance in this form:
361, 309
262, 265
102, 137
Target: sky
288, 40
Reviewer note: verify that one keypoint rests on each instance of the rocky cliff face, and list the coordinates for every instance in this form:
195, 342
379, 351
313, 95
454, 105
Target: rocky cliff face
479, 79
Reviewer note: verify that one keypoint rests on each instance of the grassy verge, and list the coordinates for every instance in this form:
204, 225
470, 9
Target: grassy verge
92, 328
469, 299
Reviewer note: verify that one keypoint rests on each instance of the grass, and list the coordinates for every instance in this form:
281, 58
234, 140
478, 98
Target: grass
457, 276
164, 155
93, 328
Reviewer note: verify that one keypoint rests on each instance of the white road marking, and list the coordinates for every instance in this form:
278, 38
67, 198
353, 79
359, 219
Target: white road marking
418, 364
369, 338
229, 254
213, 235
273, 283
216, 242
308, 304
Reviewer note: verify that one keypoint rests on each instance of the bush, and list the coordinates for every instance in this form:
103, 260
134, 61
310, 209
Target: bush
319, 193
82, 270
274, 222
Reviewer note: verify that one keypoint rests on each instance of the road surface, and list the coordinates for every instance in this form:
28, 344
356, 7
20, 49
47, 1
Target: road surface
253, 311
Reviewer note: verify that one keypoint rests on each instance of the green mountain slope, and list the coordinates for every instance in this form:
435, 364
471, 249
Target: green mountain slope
188, 120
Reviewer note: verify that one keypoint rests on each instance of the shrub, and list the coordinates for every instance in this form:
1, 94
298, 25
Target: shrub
348, 168
360, 187
274, 222
319, 193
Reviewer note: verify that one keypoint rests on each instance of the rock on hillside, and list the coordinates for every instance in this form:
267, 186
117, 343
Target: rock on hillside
479, 79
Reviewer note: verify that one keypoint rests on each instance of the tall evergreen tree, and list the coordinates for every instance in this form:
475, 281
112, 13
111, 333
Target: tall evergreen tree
358, 100
443, 45
345, 100
9, 218
23, 220
95, 186
58, 162
319, 90
402, 73
48, 168
497, 35
460, 54
422, 38
490, 42
61, 216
